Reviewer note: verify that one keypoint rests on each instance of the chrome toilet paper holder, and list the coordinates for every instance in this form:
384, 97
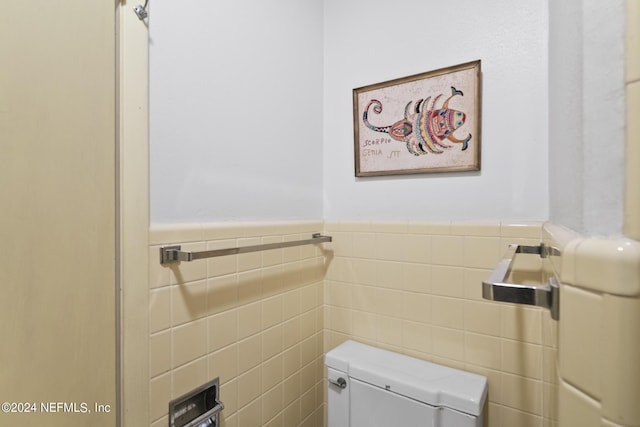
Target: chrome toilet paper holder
495, 288
200, 407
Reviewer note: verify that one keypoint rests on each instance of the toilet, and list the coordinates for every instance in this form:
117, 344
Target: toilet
372, 387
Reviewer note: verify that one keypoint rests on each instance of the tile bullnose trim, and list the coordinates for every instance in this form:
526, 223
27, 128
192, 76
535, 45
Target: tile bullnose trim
179, 232
605, 265
558, 235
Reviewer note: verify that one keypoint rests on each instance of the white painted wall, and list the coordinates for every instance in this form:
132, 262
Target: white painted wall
236, 107
235, 110
369, 41
587, 118
251, 111
566, 196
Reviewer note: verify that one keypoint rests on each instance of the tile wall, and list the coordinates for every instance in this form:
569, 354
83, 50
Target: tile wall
255, 320
599, 337
415, 288
262, 321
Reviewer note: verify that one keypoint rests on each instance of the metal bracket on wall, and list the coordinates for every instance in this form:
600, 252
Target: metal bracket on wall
141, 11
496, 289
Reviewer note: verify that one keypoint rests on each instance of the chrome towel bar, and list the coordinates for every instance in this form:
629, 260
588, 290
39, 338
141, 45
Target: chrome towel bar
496, 289
169, 254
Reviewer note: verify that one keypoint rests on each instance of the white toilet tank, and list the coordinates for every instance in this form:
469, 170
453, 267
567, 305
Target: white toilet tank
371, 387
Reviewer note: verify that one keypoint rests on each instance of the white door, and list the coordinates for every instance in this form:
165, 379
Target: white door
57, 213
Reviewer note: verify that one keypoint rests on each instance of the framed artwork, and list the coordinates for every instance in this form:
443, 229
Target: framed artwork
424, 123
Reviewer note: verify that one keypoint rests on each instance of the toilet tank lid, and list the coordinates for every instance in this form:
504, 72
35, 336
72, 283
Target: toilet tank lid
417, 379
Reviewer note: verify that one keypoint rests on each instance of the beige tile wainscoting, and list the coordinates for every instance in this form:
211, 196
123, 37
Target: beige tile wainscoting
255, 320
262, 321
598, 333
415, 288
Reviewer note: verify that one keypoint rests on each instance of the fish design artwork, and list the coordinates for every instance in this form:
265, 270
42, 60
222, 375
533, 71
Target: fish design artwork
425, 130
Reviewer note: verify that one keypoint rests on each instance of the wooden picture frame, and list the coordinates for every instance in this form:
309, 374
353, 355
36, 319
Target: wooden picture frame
425, 123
